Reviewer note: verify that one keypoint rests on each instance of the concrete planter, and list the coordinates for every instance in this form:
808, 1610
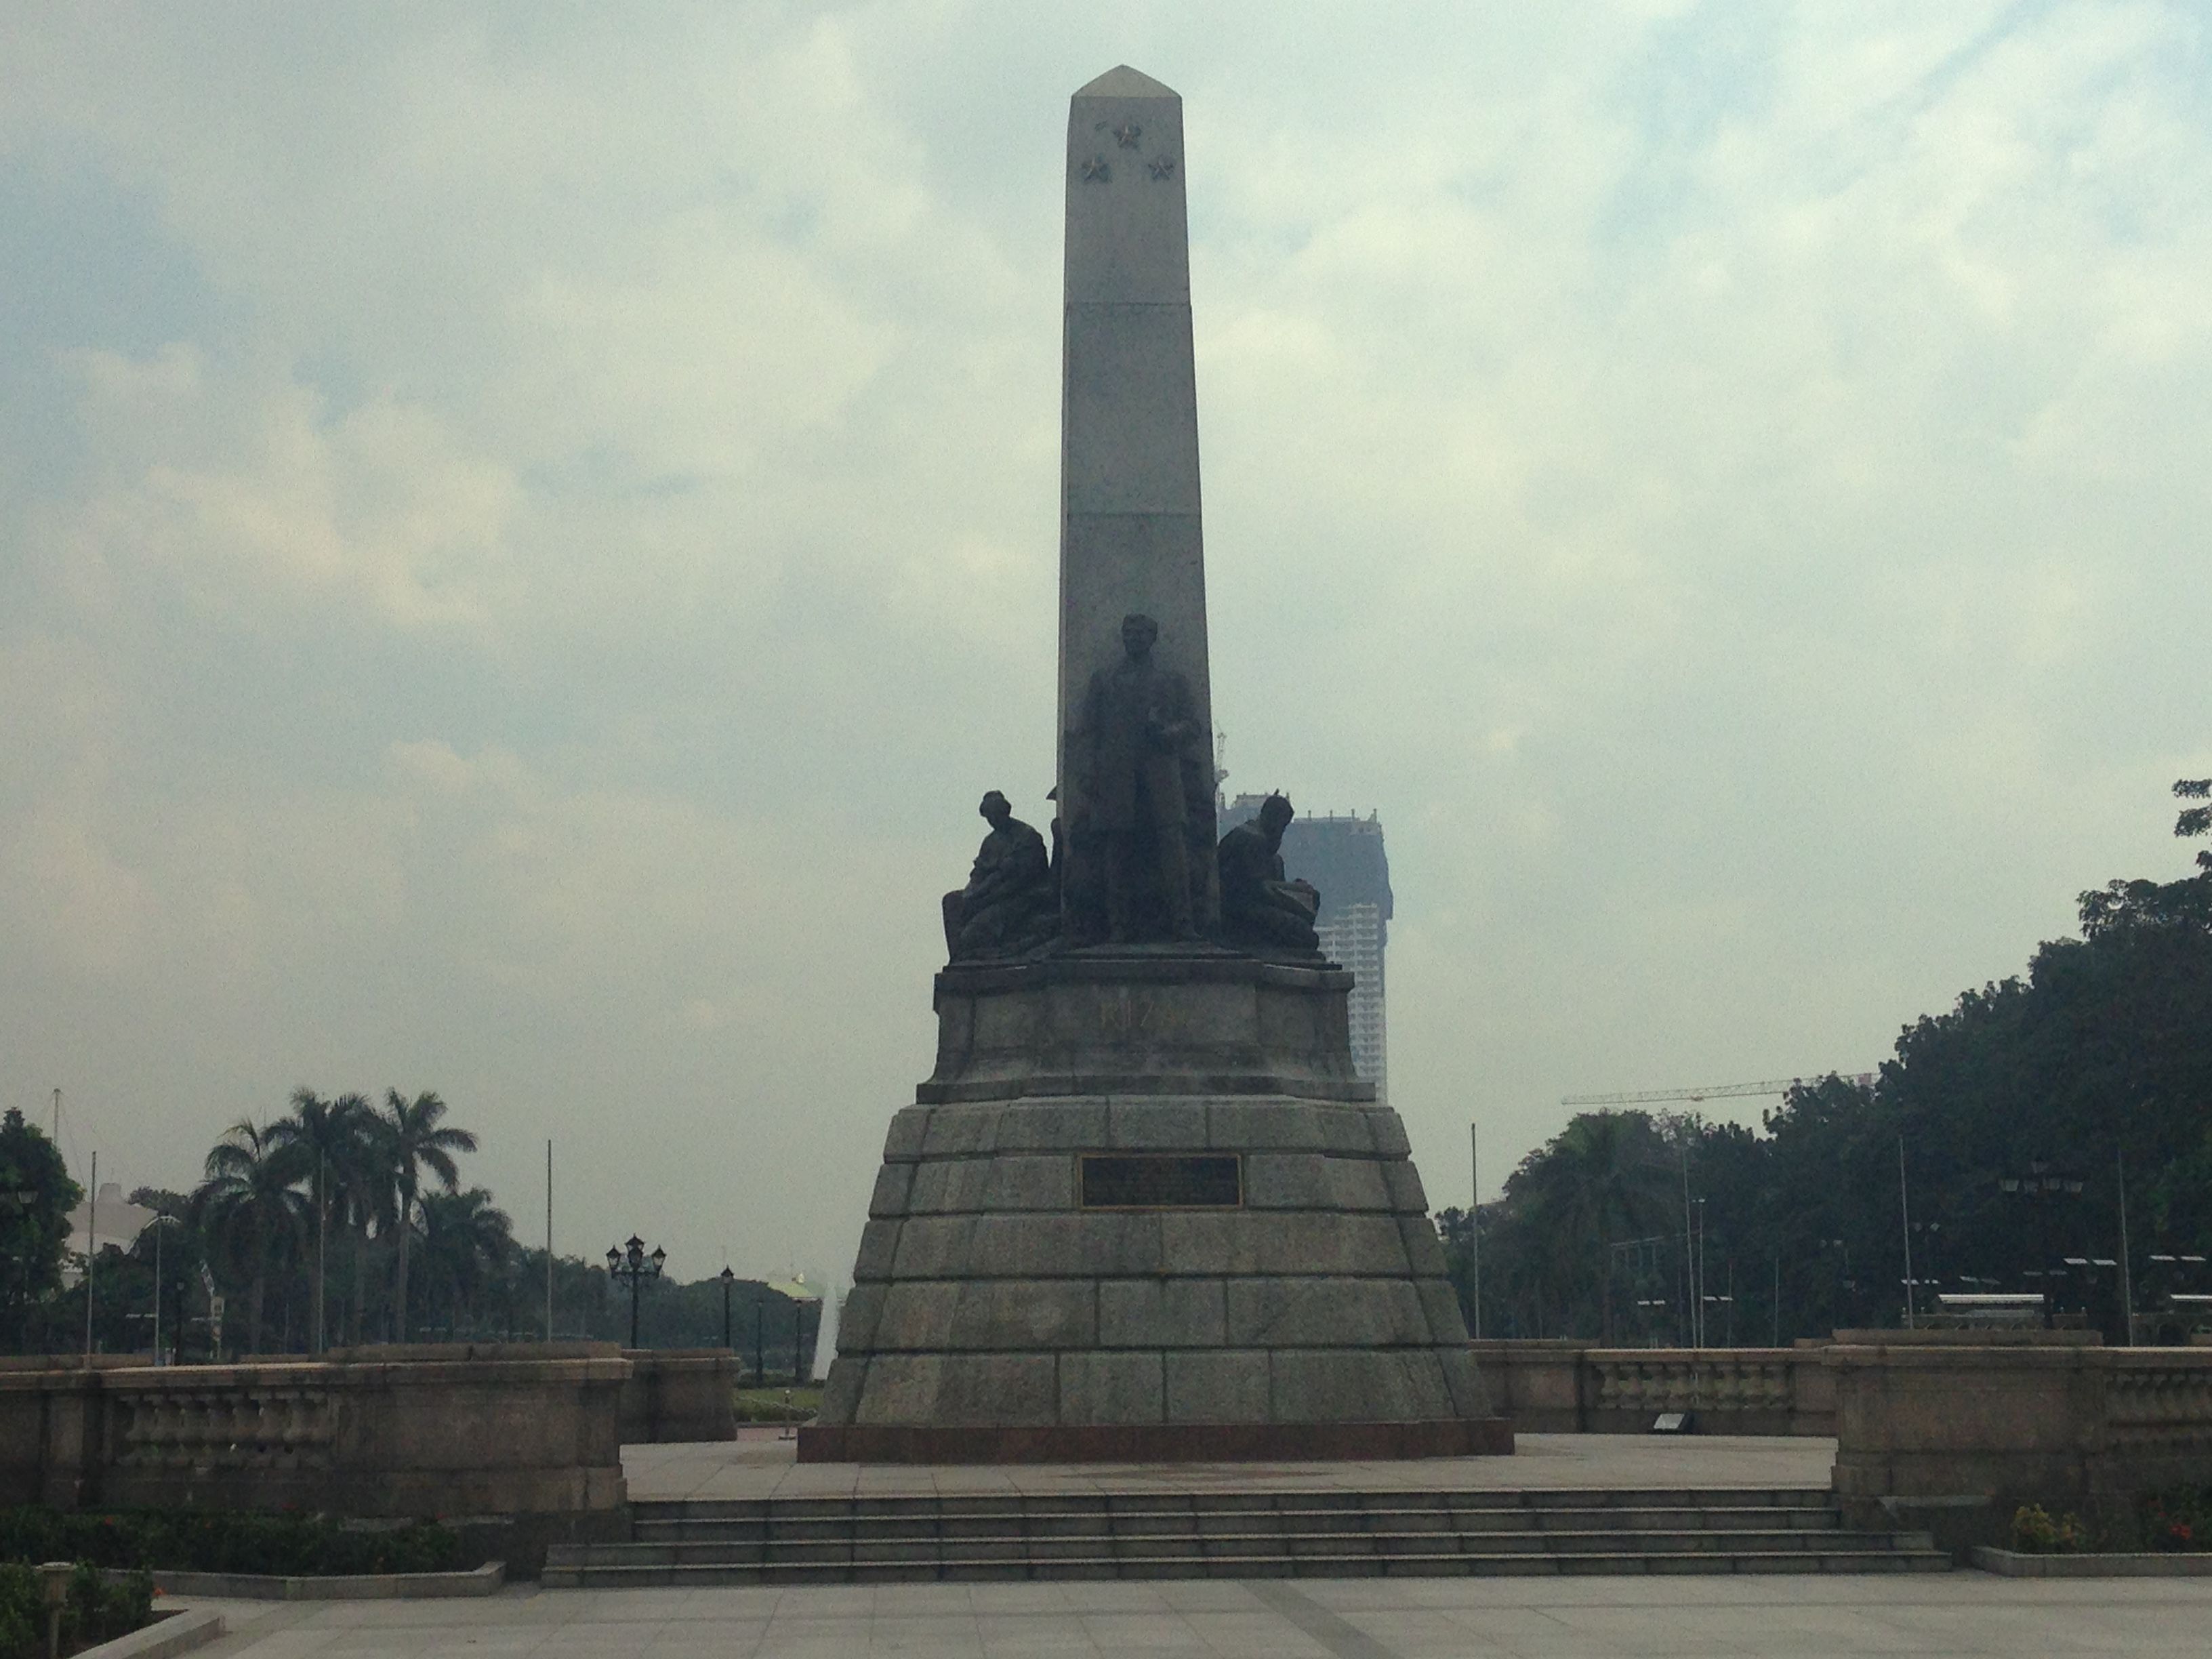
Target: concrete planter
2015, 1563
170, 1633
486, 1580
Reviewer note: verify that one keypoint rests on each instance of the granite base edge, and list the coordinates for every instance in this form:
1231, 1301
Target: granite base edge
1155, 1443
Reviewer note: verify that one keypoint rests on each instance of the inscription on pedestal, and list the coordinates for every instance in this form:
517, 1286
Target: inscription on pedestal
1141, 1013
1152, 1181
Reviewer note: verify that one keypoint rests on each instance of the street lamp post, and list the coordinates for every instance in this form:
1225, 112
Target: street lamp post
629, 1261
1931, 1278
1850, 1285
728, 1279
22, 1199
2042, 1183
158, 1220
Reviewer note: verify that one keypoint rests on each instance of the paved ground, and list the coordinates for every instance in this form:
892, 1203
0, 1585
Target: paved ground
760, 1464
1957, 1613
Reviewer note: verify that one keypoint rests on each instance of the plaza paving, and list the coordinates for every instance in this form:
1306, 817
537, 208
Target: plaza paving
1963, 1613
1960, 1612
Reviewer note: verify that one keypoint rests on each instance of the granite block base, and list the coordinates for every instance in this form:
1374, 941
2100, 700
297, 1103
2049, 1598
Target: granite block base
1155, 1443
1146, 1210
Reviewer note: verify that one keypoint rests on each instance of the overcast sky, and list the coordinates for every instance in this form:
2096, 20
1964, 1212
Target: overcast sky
524, 530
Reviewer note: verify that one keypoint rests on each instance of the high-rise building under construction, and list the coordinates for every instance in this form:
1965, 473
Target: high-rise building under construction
1343, 856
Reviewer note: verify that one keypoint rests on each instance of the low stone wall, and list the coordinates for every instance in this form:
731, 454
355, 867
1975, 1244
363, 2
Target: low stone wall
679, 1394
1954, 1439
1568, 1388
517, 1445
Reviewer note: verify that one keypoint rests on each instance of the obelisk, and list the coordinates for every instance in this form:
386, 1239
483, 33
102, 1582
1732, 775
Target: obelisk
1129, 527
1144, 1207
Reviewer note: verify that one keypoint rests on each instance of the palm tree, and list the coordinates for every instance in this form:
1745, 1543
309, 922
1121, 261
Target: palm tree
321, 1144
466, 1242
365, 1198
248, 1204
413, 1140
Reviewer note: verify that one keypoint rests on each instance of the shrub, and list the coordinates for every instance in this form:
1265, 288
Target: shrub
2177, 1518
224, 1540
97, 1610
22, 1620
2034, 1532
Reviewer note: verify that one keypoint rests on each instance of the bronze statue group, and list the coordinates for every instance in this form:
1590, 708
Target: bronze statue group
1132, 860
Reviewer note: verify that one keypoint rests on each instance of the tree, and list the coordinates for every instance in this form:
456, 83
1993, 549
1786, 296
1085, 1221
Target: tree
2195, 820
1606, 1178
412, 1139
247, 1207
36, 1196
324, 1144
467, 1243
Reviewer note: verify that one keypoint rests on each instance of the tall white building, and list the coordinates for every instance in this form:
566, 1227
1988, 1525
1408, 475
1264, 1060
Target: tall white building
1343, 856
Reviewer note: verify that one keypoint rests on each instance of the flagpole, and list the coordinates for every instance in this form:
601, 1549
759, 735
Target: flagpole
1475, 1220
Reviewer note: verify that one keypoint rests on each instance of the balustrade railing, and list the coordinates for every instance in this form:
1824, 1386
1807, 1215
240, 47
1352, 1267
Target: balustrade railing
2158, 1400
243, 1425
1710, 1381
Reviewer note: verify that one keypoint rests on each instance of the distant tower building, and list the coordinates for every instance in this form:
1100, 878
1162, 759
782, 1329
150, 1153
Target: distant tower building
1343, 856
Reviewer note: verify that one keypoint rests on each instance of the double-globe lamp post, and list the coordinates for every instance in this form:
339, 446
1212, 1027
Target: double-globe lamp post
629, 1261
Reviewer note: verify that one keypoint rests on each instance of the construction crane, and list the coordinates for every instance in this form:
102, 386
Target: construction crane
1775, 1085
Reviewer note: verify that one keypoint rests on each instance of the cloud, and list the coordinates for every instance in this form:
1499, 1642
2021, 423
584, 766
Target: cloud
241, 493
1722, 482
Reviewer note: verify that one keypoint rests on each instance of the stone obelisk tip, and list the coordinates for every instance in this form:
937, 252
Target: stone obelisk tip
1122, 81
1130, 537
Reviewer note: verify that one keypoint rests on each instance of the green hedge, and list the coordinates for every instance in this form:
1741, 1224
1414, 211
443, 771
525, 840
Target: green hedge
224, 1541
97, 1611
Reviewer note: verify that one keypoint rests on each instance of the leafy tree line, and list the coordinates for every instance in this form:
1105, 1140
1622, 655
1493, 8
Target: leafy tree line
2006, 1129
342, 1217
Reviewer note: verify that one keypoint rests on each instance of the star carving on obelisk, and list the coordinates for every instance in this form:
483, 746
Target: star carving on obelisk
1127, 135
1096, 171
1161, 167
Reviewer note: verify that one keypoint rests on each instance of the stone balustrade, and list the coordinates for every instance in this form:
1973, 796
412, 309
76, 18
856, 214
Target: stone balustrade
1566, 1387
525, 1440
269, 1420
2158, 1400
1954, 1438
679, 1394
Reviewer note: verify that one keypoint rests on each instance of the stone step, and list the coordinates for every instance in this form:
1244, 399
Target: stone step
1151, 1534
561, 1574
655, 1529
1016, 1547
1216, 1503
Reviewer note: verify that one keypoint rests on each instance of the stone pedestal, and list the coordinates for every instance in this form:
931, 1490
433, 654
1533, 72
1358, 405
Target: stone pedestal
1146, 1210
1143, 1020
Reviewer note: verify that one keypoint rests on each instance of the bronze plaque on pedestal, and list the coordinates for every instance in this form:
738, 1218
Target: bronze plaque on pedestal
1119, 1181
